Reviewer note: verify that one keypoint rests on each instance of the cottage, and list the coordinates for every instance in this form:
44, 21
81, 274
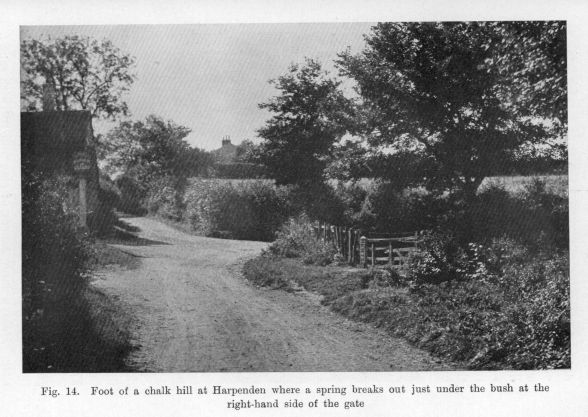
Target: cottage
227, 153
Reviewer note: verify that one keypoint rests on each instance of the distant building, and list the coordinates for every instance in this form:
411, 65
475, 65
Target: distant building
227, 153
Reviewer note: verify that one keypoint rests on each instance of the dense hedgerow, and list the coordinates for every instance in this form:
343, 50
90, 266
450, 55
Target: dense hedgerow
165, 198
534, 216
54, 256
252, 210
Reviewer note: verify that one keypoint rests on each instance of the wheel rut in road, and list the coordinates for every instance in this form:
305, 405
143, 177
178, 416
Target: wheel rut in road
194, 312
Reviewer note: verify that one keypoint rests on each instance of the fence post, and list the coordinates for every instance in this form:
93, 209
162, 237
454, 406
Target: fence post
373, 255
349, 253
390, 255
362, 250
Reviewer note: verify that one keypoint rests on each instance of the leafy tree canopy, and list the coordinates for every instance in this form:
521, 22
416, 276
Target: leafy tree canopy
450, 94
85, 74
152, 148
307, 121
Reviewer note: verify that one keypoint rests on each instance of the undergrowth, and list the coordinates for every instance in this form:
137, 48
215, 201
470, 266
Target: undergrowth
503, 308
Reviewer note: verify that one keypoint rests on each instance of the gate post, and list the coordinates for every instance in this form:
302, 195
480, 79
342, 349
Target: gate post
349, 247
362, 251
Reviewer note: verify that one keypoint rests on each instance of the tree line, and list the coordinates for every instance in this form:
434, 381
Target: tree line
438, 105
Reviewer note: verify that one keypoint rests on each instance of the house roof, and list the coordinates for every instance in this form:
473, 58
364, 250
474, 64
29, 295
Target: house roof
49, 140
226, 154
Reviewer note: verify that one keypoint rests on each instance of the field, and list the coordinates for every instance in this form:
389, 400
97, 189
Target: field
554, 184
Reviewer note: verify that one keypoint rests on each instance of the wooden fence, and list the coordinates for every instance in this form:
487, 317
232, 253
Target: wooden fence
394, 250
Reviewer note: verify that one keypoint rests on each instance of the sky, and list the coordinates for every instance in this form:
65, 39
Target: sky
211, 77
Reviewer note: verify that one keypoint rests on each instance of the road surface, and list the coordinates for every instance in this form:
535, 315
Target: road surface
193, 312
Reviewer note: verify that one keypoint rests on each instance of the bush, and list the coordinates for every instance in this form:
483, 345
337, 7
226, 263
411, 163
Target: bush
165, 197
246, 210
296, 239
238, 170
319, 202
384, 208
133, 194
497, 305
54, 255
103, 218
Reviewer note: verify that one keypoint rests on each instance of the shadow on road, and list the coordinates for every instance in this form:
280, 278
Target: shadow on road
126, 234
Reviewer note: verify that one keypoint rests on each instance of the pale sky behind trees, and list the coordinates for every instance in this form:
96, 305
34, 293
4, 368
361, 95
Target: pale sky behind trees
211, 77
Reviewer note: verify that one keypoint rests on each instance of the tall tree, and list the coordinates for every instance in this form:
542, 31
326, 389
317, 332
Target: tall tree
446, 93
299, 137
532, 58
85, 74
152, 148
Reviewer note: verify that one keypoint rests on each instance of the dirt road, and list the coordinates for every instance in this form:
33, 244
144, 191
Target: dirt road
194, 312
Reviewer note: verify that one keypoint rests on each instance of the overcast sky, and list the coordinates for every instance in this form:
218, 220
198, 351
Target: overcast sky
211, 78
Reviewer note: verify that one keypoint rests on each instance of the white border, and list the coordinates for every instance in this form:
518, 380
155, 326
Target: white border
20, 394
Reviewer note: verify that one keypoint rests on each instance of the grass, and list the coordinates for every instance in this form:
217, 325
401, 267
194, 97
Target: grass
331, 282
554, 184
480, 324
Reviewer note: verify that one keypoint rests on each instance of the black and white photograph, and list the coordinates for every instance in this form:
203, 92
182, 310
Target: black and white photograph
295, 197
362, 210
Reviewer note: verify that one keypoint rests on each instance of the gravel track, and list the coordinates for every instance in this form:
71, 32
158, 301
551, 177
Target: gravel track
194, 312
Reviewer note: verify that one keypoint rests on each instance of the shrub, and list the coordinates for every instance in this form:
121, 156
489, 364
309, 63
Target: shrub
103, 218
319, 201
501, 305
246, 210
296, 239
132, 197
383, 207
238, 170
165, 197
533, 217
54, 255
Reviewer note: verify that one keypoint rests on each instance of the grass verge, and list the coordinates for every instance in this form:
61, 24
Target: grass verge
477, 323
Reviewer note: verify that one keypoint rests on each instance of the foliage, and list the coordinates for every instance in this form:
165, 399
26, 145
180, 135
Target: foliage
54, 255
387, 209
532, 55
296, 239
534, 216
85, 73
54, 248
247, 152
512, 313
101, 220
437, 90
165, 197
132, 196
151, 148
251, 210
319, 201
150, 157
509, 310
238, 170
307, 121
331, 282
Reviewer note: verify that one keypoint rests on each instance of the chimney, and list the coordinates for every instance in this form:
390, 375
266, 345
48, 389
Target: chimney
226, 140
48, 97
